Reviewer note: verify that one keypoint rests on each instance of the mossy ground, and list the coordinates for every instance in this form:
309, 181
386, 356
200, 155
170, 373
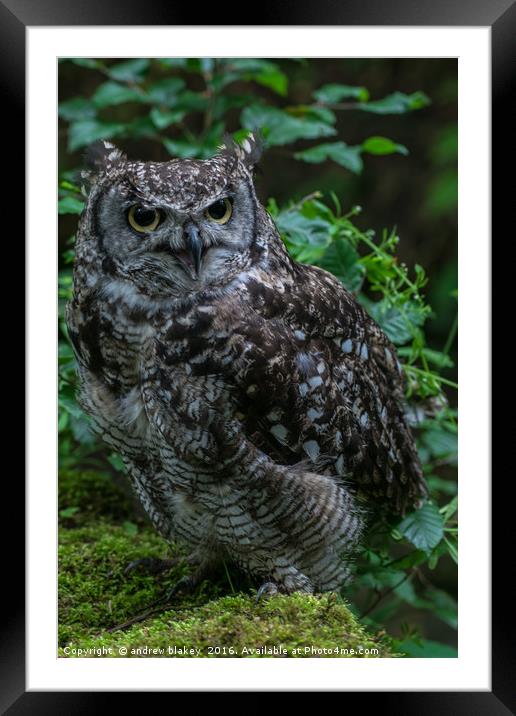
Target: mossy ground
99, 535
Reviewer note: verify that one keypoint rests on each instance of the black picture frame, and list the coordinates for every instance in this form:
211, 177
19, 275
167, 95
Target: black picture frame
500, 16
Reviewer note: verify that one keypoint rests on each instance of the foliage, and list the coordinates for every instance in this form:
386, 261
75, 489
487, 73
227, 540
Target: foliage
184, 106
168, 111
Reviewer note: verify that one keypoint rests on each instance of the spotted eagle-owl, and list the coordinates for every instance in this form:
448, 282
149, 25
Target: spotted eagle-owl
258, 409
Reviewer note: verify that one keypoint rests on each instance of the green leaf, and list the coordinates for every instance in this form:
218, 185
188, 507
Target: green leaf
62, 422
223, 103
263, 72
406, 591
130, 528
76, 108
440, 603
164, 118
424, 527
442, 486
276, 81
130, 70
334, 93
449, 510
68, 512
87, 131
112, 93
65, 352
383, 577
436, 554
213, 137
198, 65
280, 127
190, 101
441, 360
323, 113
412, 559
443, 605
441, 442
82, 431
382, 145
141, 127
399, 322
164, 92
426, 649
342, 260
452, 547
70, 205
67, 403
303, 230
116, 462
339, 152
173, 62
181, 148
250, 65
68, 186
396, 103
88, 62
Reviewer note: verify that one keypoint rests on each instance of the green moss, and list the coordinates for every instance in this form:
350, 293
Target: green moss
95, 594
296, 625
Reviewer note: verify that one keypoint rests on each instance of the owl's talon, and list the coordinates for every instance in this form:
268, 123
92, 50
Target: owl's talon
182, 587
268, 588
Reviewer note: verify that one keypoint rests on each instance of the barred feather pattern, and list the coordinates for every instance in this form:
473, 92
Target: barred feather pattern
259, 409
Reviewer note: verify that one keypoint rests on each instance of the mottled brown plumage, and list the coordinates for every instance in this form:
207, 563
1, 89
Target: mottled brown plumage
258, 408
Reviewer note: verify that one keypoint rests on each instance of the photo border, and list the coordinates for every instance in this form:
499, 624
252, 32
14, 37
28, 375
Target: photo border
15, 16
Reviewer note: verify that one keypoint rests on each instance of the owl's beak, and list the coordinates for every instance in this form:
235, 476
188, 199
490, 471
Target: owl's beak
192, 256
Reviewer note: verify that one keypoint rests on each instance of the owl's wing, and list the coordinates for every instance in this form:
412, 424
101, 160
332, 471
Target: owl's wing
320, 380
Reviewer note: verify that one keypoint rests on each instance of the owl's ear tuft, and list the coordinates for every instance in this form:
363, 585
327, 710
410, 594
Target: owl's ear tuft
98, 157
249, 151
101, 153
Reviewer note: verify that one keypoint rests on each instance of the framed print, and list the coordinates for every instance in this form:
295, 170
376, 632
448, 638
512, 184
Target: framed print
271, 254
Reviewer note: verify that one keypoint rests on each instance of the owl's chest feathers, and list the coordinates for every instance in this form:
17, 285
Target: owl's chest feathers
112, 389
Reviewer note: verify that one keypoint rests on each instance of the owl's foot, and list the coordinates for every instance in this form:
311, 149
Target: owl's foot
152, 565
267, 588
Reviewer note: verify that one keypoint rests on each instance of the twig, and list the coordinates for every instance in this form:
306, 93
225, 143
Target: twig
338, 105
435, 376
451, 336
386, 594
228, 577
308, 197
141, 617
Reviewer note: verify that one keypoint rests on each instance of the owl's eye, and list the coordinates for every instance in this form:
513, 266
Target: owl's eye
220, 211
143, 219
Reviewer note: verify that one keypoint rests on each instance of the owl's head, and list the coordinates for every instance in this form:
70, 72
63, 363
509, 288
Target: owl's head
171, 227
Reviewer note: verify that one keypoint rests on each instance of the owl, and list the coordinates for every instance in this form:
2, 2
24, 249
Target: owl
257, 407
